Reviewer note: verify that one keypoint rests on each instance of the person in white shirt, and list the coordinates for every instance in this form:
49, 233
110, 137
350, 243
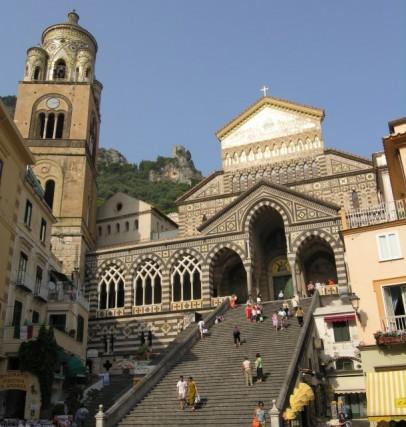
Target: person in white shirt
246, 368
181, 390
201, 325
294, 304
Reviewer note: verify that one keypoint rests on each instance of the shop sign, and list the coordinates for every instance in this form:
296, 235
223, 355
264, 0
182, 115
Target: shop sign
13, 381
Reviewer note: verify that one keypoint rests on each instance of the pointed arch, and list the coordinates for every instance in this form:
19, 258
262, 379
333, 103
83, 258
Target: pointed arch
147, 283
185, 277
111, 288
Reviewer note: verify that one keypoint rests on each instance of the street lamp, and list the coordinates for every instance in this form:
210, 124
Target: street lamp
354, 299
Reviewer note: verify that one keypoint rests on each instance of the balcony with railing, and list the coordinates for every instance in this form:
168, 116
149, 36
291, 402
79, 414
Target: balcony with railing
23, 281
393, 330
377, 214
14, 335
64, 292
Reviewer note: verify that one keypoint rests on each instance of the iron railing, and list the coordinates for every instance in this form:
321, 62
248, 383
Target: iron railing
377, 214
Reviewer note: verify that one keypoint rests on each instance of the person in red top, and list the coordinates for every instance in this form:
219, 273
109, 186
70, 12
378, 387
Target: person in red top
248, 312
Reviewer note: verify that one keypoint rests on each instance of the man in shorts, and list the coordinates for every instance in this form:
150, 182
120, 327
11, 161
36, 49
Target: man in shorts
181, 389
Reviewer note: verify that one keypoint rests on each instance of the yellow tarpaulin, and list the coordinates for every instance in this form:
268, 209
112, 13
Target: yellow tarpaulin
386, 395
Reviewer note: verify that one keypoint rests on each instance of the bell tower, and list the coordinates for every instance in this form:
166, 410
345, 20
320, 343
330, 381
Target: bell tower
58, 114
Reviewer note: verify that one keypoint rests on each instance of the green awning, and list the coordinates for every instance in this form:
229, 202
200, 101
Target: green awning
73, 366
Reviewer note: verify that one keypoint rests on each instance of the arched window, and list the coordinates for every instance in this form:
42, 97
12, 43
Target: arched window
41, 125
185, 279
60, 70
136, 224
102, 296
109, 229
50, 126
100, 231
77, 74
37, 71
127, 226
111, 289
59, 126
147, 284
49, 192
87, 73
355, 199
118, 228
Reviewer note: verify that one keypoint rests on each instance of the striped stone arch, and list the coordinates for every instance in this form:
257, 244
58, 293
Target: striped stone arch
208, 272
336, 246
259, 204
140, 259
148, 278
179, 258
230, 245
117, 262
181, 252
321, 234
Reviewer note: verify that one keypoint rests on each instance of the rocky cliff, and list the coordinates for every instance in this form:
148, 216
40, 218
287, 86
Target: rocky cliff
108, 156
179, 168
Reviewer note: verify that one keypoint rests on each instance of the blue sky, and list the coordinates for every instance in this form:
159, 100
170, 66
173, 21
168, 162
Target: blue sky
174, 72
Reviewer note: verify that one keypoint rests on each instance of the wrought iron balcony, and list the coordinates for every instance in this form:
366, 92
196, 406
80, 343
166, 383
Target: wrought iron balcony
377, 214
393, 331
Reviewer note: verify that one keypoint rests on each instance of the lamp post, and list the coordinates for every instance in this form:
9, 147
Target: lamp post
354, 299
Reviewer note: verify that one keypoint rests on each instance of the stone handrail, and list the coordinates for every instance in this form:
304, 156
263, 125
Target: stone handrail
176, 350
305, 335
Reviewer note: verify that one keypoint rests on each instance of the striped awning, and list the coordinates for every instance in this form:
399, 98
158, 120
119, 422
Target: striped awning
339, 318
386, 396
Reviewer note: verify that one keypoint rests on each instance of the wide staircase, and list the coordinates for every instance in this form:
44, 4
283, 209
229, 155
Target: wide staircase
215, 364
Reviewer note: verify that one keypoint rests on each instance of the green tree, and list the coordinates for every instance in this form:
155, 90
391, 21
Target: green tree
40, 357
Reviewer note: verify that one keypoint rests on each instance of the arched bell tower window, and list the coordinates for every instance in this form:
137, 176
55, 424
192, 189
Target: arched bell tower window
37, 71
50, 125
87, 73
49, 192
59, 126
59, 70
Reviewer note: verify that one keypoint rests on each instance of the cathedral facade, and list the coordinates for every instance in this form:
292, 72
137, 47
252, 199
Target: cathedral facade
269, 221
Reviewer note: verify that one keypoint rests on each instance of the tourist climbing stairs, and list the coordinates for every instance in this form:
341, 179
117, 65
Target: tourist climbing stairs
215, 364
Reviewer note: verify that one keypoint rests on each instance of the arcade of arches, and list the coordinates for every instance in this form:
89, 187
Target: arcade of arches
269, 269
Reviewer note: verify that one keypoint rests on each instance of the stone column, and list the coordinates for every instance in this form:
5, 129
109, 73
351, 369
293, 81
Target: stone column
292, 264
207, 287
273, 415
166, 289
248, 269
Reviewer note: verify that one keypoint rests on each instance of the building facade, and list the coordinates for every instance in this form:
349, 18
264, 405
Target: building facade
14, 159
378, 282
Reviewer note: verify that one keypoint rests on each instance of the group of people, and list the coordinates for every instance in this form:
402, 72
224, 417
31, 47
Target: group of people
313, 287
247, 370
187, 393
280, 317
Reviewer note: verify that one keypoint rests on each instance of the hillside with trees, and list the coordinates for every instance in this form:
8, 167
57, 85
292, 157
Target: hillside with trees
116, 174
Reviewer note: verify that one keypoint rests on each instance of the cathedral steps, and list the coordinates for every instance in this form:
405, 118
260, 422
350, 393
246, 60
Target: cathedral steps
107, 395
215, 364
